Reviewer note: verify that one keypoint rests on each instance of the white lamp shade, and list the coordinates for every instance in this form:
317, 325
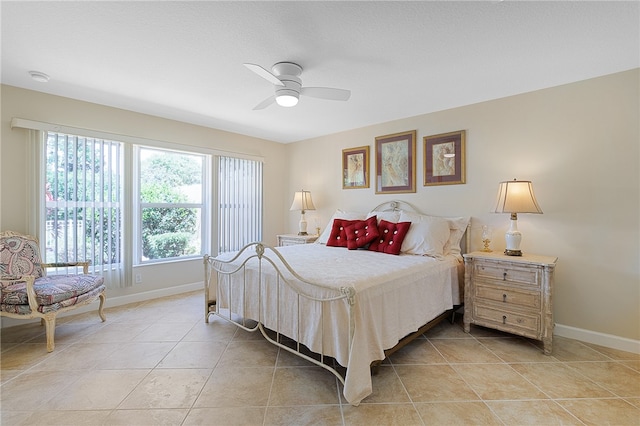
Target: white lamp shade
302, 201
516, 196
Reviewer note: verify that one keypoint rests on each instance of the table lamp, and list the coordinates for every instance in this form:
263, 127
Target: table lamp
515, 197
302, 201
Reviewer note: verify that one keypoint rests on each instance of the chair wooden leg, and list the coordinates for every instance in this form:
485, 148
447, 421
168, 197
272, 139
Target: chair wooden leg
50, 331
103, 298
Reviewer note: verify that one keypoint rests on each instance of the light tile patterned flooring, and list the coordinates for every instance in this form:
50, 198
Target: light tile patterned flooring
158, 363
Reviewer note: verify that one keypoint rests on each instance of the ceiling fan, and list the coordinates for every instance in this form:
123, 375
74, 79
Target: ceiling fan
285, 76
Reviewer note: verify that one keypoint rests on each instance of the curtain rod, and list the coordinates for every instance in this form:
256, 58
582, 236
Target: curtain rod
23, 123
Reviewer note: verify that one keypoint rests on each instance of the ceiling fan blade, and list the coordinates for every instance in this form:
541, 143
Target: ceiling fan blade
326, 93
264, 74
265, 103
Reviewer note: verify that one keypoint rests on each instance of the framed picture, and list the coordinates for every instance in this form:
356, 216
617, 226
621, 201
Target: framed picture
355, 168
444, 159
396, 163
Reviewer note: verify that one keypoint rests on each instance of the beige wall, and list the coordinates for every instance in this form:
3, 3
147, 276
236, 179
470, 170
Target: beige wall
53, 109
578, 143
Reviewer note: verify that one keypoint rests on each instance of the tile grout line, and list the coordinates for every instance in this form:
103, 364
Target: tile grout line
213, 369
273, 380
406, 391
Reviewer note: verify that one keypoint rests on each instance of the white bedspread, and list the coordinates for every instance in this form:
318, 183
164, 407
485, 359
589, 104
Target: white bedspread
395, 295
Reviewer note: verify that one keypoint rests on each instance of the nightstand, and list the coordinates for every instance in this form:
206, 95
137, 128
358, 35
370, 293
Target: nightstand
510, 293
291, 239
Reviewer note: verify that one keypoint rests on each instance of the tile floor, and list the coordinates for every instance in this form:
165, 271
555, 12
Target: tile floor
158, 363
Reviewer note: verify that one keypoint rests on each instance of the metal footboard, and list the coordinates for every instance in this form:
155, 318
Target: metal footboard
243, 287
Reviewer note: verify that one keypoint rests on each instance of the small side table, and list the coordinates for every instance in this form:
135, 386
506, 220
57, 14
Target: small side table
510, 293
292, 239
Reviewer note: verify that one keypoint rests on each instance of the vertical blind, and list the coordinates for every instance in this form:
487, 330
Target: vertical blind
240, 203
83, 203
82, 209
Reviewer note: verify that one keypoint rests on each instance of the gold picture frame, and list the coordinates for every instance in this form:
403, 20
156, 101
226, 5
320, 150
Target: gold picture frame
444, 158
396, 163
355, 168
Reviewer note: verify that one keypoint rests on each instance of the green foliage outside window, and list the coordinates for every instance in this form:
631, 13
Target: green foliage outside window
84, 216
165, 179
82, 199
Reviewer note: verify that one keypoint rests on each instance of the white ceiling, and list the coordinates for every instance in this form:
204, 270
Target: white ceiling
183, 60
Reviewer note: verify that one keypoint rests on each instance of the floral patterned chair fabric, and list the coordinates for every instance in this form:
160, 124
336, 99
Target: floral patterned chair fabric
27, 292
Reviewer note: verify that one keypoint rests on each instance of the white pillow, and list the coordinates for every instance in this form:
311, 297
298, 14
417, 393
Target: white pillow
457, 226
392, 216
427, 235
339, 214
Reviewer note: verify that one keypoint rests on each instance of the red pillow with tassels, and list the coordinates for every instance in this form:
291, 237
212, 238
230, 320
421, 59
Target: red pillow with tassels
338, 236
362, 232
390, 237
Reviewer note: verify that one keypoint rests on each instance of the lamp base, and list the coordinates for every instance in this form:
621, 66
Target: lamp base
513, 237
302, 226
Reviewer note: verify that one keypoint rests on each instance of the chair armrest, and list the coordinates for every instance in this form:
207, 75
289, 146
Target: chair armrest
29, 280
85, 265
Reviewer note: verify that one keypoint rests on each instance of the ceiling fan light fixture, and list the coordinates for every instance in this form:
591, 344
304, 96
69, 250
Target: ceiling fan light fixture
285, 76
287, 98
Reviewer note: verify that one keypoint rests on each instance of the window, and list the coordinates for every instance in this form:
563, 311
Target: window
240, 203
172, 204
117, 201
83, 202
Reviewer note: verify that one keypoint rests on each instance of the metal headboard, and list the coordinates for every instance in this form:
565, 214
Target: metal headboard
396, 205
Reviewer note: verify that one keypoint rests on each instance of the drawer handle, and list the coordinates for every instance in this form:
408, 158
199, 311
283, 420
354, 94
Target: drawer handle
504, 319
504, 276
504, 298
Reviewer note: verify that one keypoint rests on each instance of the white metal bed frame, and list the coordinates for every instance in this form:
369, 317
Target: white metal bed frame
263, 253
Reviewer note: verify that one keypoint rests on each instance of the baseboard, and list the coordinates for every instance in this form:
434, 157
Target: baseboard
118, 301
155, 294
596, 338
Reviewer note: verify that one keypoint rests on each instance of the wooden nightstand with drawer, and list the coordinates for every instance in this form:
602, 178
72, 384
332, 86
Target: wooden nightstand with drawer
510, 293
291, 239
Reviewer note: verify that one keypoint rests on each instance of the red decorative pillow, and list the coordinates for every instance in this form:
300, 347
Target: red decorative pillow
362, 232
338, 236
391, 237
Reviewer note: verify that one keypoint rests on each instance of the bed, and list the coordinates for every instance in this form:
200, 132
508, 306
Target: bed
345, 308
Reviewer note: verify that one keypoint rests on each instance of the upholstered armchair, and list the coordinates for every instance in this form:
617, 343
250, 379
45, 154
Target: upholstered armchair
26, 291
